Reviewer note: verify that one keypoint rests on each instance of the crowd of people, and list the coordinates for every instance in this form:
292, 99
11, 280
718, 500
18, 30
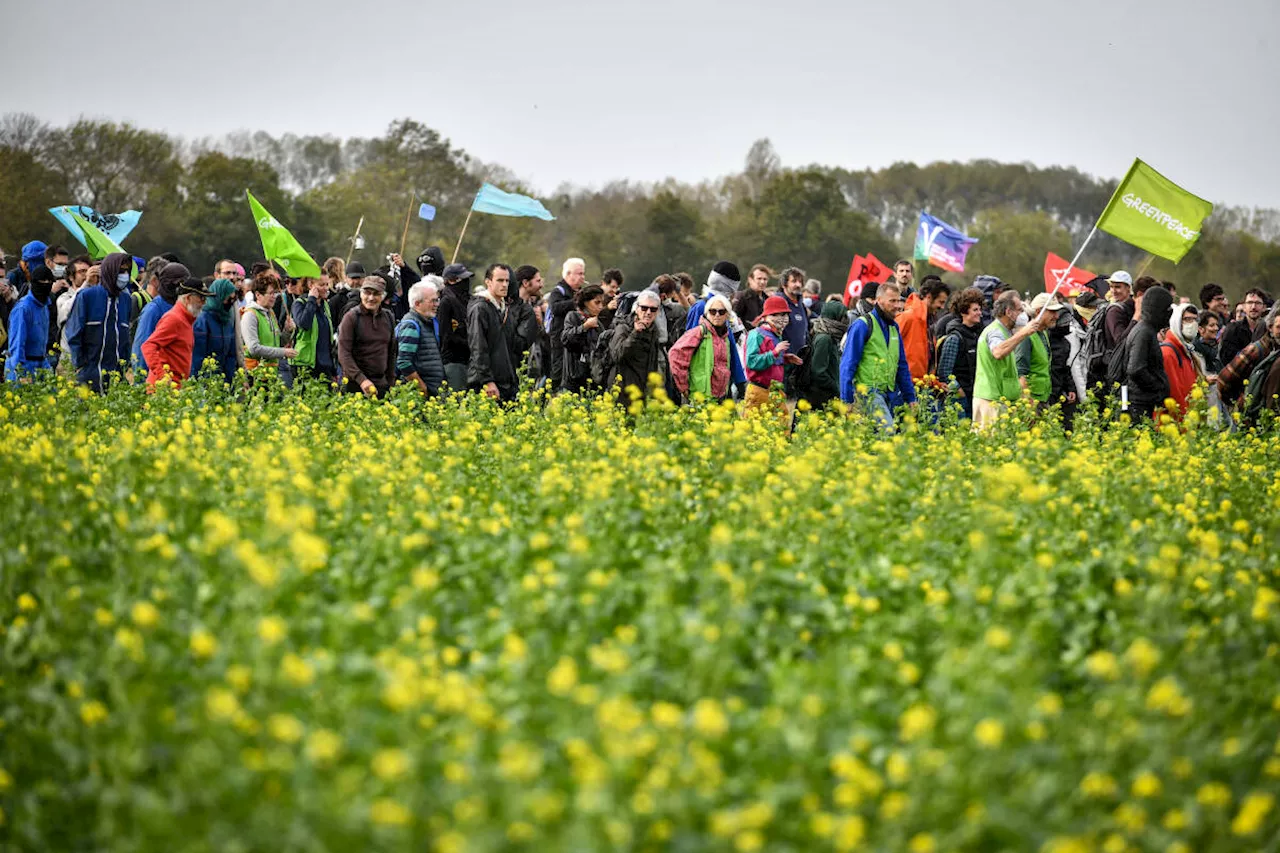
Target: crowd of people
768, 343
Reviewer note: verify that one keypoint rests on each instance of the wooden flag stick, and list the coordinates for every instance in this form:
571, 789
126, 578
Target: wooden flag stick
1146, 264
460, 236
405, 233
356, 236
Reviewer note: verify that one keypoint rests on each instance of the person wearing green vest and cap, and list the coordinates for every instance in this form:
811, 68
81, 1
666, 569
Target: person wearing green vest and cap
1035, 358
997, 382
317, 356
873, 367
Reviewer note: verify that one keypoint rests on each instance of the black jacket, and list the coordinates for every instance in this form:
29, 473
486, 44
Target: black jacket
578, 345
1235, 337
489, 335
635, 354
965, 369
453, 313
1060, 381
526, 333
559, 304
1145, 376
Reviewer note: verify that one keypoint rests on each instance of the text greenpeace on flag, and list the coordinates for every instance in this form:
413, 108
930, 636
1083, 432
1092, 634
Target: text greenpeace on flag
1153, 213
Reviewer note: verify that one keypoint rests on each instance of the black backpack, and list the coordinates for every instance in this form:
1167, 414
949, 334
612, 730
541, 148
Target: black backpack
1253, 399
602, 366
1117, 365
1097, 356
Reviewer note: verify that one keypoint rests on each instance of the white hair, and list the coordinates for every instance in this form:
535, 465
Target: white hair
649, 297
424, 288
718, 297
570, 264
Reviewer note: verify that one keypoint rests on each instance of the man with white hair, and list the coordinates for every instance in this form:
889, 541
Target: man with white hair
418, 338
634, 348
560, 303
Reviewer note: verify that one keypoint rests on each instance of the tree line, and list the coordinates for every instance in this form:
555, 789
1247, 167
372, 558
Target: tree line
816, 217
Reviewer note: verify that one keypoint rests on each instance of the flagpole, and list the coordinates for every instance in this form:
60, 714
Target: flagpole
457, 247
1067, 271
354, 237
1150, 258
405, 233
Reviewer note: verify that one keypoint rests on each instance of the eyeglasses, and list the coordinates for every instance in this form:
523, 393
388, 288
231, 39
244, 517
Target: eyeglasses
369, 291
717, 312
647, 308
1253, 302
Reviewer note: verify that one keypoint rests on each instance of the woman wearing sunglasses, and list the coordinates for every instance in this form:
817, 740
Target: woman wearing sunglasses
700, 359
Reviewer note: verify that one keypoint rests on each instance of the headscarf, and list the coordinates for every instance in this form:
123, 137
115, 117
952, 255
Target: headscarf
112, 265
223, 290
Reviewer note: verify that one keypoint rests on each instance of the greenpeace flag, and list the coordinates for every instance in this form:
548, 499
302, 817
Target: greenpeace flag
1153, 213
861, 271
490, 199
279, 245
115, 225
940, 244
1055, 266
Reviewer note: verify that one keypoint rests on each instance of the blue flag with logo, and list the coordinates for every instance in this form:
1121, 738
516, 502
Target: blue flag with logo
940, 244
426, 211
490, 199
115, 225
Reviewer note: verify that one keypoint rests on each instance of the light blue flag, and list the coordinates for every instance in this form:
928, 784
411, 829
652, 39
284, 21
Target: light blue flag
427, 212
490, 199
115, 225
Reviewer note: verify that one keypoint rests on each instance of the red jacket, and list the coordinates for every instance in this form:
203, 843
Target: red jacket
168, 350
1179, 366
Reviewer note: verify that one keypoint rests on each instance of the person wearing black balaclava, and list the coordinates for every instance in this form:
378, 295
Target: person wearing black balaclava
29, 329
98, 329
171, 275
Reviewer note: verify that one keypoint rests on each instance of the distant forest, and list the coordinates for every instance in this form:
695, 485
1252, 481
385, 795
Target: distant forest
815, 217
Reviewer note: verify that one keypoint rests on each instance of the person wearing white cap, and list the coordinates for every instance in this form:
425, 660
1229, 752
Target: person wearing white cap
1119, 292
1034, 354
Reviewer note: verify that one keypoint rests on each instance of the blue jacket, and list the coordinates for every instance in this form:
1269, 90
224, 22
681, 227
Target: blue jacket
855, 343
28, 339
98, 334
147, 322
737, 373
217, 341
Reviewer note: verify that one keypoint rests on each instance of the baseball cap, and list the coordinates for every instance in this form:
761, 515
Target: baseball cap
457, 272
374, 283
194, 285
1120, 277
355, 269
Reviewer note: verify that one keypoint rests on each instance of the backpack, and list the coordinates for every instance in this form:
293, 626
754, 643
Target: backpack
351, 300
1117, 372
1253, 399
602, 366
802, 374
1097, 357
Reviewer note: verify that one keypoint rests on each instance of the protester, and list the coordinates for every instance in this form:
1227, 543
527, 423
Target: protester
215, 332
98, 328
699, 360
749, 302
723, 279
170, 276
259, 329
996, 382
767, 352
676, 304
418, 338
573, 274
28, 347
915, 324
1146, 381
366, 342
1034, 356
824, 354
1086, 305
1232, 377
1240, 333
489, 335
1206, 343
796, 332
455, 350
78, 277
812, 298
611, 282
1177, 349
314, 339
873, 368
582, 327
1214, 301
169, 347
345, 296
1119, 293
903, 274
866, 302
144, 291
634, 347
524, 300
958, 348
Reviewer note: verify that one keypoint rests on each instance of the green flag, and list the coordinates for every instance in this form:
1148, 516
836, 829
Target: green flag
1153, 213
98, 244
279, 245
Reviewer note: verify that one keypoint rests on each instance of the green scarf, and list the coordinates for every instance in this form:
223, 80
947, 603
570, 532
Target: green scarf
216, 305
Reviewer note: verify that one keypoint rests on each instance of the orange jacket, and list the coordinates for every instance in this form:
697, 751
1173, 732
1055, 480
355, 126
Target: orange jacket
913, 324
1180, 367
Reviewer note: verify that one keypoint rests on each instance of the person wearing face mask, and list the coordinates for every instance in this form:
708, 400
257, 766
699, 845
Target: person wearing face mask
1147, 383
215, 333
169, 347
873, 369
29, 329
1181, 364
170, 276
98, 327
766, 353
813, 298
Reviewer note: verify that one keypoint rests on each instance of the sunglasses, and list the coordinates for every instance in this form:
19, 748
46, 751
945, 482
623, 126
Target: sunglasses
717, 312
648, 309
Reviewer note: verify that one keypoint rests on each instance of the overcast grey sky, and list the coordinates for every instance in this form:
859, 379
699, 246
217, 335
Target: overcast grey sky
587, 91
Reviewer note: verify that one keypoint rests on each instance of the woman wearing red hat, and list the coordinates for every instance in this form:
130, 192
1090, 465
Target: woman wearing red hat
766, 353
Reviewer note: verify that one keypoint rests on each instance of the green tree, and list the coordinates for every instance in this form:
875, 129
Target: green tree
1013, 245
220, 223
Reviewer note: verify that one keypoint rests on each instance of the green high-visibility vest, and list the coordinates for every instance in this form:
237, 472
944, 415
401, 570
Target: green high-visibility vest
878, 369
997, 378
1038, 382
268, 332
305, 339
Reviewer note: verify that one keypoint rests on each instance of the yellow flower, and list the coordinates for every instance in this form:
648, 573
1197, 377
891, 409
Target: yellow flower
387, 812
92, 712
989, 733
104, 618
296, 670
563, 677
1213, 794
284, 728
666, 715
1253, 811
1102, 665
203, 644
272, 629
144, 614
323, 746
221, 704
922, 843
1146, 784
917, 720
308, 550
1142, 655
1049, 704
389, 764
1096, 784
27, 602
519, 761
709, 719
998, 638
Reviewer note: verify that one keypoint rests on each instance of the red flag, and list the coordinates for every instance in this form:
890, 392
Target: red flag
1055, 266
862, 271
